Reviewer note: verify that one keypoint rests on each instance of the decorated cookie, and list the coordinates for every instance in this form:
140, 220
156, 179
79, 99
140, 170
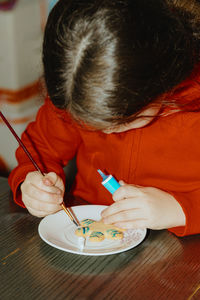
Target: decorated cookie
87, 222
96, 236
83, 231
97, 231
113, 234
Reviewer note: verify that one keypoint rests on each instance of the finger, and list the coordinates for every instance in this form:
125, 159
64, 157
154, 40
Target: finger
45, 196
41, 206
45, 182
53, 179
39, 214
34, 177
124, 216
134, 224
35, 213
50, 178
50, 189
126, 191
121, 182
122, 205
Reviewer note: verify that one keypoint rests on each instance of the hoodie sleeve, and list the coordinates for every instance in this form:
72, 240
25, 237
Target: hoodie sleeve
187, 174
190, 203
52, 140
169, 159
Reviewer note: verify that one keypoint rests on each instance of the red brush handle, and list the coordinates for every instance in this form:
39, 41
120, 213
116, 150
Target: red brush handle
20, 142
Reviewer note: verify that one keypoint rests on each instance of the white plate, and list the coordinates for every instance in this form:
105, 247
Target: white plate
58, 231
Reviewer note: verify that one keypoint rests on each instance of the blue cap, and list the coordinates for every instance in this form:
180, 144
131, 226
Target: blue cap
109, 182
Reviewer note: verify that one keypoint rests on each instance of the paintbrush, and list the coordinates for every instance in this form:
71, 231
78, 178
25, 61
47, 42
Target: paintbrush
35, 164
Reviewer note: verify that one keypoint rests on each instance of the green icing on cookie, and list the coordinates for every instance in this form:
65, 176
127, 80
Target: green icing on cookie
83, 230
96, 234
113, 232
87, 222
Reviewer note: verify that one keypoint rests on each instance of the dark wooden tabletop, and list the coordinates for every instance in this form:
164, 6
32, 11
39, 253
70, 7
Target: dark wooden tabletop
161, 267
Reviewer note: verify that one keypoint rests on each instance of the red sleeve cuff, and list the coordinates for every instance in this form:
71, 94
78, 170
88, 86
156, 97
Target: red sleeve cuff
190, 203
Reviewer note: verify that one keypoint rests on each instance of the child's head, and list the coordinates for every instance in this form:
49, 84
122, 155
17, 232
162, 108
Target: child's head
105, 61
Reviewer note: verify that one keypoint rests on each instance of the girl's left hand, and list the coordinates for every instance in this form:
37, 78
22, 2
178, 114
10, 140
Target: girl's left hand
143, 207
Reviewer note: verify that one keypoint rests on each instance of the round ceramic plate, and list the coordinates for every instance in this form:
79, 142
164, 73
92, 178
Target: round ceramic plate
58, 231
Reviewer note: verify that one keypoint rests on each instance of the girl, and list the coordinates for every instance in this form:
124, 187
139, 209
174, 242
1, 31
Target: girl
123, 96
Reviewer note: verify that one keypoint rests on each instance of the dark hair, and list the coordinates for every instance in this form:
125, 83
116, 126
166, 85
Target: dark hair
107, 60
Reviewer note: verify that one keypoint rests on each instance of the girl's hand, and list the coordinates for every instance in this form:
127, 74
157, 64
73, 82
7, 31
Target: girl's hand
143, 207
42, 195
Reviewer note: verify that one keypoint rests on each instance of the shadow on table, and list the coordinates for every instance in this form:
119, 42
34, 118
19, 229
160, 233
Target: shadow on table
85, 265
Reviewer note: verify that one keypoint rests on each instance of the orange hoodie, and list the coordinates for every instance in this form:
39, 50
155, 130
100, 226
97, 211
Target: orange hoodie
164, 154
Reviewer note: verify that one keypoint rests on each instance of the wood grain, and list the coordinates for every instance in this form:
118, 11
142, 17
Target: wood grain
162, 267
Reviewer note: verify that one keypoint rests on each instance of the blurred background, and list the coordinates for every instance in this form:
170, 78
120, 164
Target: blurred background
22, 92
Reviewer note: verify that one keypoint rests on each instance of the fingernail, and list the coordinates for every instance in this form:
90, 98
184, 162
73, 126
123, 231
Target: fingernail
47, 181
121, 182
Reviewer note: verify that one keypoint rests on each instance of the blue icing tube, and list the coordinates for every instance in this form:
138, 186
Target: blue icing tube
109, 182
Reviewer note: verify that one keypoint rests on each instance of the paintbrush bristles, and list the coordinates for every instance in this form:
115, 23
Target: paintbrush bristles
69, 214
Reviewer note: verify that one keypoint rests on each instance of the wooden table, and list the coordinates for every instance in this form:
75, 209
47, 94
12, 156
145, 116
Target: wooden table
162, 267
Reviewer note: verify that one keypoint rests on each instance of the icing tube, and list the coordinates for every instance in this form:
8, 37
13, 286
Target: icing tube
109, 182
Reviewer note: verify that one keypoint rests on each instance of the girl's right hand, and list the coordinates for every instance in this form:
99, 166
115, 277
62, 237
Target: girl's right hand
42, 195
